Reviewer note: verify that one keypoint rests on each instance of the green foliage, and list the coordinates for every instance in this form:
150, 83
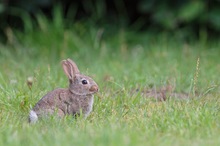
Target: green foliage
189, 17
214, 18
172, 15
191, 11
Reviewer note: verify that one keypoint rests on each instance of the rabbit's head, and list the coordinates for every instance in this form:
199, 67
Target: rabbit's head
79, 83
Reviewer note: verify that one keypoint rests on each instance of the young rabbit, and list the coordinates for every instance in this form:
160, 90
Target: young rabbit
78, 98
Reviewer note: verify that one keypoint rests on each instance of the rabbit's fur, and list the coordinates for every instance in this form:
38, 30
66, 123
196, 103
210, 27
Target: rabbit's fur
78, 98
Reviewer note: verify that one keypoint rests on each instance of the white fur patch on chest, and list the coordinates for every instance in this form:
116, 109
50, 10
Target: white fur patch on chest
90, 106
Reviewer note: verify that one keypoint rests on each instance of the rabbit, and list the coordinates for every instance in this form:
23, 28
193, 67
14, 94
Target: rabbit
76, 99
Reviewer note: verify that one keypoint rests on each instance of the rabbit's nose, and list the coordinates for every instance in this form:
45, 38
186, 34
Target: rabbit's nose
94, 88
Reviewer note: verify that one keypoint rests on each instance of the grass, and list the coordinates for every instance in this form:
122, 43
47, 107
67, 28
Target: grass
120, 64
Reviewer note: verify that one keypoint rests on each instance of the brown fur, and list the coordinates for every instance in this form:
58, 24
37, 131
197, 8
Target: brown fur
72, 101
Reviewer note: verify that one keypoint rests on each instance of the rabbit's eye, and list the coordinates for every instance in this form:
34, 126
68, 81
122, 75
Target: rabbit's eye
84, 82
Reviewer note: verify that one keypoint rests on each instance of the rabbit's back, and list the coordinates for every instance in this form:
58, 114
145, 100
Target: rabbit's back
47, 105
63, 102
50, 101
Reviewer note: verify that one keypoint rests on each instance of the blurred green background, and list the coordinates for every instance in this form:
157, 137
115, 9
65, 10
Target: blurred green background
191, 19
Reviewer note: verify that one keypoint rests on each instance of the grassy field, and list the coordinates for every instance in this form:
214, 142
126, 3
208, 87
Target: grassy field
126, 65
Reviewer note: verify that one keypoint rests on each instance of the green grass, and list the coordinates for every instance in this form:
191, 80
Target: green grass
119, 62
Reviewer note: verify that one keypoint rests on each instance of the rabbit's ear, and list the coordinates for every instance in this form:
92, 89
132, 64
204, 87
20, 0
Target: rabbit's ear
74, 66
68, 70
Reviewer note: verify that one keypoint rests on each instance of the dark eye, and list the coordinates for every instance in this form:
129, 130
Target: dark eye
84, 82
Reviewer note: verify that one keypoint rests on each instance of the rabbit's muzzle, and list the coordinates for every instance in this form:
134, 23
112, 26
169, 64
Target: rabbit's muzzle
94, 89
